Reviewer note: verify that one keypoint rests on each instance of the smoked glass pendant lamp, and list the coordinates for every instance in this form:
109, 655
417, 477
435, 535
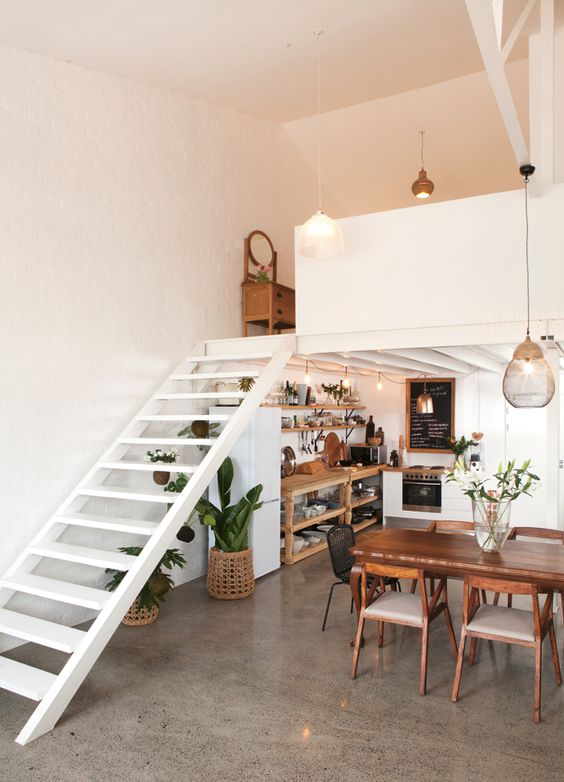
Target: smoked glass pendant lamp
422, 187
424, 402
528, 379
320, 237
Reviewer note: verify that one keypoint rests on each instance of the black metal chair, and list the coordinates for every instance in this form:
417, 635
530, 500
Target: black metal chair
340, 540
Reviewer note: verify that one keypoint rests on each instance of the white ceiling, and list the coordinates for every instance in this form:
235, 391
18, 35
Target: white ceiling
257, 56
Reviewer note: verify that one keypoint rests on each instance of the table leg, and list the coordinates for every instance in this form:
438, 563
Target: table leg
354, 582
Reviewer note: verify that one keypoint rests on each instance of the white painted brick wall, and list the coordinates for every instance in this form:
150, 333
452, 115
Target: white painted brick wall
122, 216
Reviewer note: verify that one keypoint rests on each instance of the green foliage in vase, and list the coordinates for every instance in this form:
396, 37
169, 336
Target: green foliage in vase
333, 389
262, 277
230, 523
459, 446
158, 583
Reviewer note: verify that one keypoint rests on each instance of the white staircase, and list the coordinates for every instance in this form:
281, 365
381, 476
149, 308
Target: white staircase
188, 386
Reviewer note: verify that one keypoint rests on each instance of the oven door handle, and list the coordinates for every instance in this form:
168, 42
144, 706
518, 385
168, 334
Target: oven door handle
421, 483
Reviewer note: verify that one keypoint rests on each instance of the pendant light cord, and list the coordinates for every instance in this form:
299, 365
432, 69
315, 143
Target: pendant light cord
422, 136
318, 34
527, 254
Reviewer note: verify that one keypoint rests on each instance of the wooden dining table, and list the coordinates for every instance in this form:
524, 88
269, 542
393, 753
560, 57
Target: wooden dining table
456, 555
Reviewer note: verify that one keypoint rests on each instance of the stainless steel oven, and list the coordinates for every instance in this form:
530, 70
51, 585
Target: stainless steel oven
422, 491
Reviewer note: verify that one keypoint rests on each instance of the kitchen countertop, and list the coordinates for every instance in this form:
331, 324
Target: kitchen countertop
387, 468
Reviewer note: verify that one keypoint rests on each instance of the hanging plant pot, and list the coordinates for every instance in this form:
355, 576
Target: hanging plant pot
230, 574
138, 615
161, 477
186, 534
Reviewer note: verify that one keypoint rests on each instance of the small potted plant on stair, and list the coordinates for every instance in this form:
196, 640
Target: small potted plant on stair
161, 477
230, 569
145, 608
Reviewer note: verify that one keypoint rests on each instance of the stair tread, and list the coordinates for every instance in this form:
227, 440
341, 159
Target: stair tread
122, 492
221, 358
146, 466
40, 631
52, 589
116, 523
184, 417
24, 680
203, 395
165, 441
84, 555
213, 375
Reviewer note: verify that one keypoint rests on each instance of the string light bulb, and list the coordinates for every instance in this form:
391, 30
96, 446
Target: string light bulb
346, 381
307, 376
379, 384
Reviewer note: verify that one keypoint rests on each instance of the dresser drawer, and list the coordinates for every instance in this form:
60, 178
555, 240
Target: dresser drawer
283, 297
283, 313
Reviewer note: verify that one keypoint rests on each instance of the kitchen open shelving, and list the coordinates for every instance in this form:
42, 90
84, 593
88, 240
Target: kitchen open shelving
321, 428
342, 479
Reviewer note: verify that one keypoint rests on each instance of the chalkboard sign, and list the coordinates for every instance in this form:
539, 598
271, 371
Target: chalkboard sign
428, 432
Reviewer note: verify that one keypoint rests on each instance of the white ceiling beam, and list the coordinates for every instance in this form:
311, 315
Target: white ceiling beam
384, 357
474, 358
500, 353
507, 47
545, 164
482, 18
360, 363
497, 9
434, 358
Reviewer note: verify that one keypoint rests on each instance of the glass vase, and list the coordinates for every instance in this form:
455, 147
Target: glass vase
491, 524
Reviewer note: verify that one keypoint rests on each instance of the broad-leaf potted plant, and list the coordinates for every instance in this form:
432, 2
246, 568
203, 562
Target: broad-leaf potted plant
230, 570
161, 477
492, 497
145, 608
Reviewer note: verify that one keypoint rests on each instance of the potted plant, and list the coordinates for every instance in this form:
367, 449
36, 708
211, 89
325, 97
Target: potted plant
492, 497
161, 477
459, 447
145, 608
185, 533
230, 571
333, 391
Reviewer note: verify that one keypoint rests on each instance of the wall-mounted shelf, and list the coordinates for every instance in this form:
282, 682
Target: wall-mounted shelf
321, 406
321, 428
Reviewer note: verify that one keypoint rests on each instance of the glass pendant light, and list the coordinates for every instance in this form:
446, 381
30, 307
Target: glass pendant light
307, 376
346, 380
379, 385
422, 187
528, 380
320, 237
424, 403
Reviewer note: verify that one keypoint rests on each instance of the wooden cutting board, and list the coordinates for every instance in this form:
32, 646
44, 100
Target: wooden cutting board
332, 449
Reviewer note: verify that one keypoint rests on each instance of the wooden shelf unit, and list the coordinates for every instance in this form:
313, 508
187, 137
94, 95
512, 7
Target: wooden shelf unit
303, 485
320, 428
350, 406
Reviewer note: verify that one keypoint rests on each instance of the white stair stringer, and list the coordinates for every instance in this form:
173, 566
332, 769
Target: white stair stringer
55, 692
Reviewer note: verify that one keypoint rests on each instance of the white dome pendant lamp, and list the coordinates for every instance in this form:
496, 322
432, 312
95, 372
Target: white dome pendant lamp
528, 380
320, 237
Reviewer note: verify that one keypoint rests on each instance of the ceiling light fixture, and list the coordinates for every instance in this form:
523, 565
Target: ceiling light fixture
346, 381
424, 403
307, 376
379, 384
528, 380
422, 187
320, 237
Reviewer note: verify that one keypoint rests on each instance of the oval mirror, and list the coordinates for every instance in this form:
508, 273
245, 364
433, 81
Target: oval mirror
260, 256
260, 248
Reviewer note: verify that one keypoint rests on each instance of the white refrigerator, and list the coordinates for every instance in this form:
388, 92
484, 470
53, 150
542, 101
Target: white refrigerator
256, 459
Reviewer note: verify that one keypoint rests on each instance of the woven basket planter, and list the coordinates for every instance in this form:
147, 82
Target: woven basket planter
138, 615
230, 575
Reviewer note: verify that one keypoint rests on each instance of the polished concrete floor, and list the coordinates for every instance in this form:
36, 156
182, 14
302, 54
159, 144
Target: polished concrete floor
252, 690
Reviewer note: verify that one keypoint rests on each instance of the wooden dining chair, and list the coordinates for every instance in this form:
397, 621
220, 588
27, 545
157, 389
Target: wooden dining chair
385, 605
508, 625
541, 533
